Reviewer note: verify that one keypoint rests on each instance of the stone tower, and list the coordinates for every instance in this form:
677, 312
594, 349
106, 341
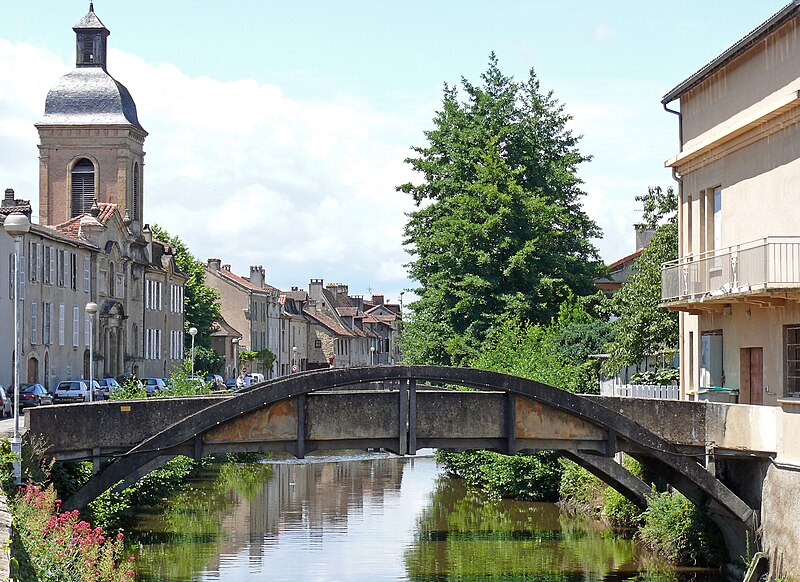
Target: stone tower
90, 139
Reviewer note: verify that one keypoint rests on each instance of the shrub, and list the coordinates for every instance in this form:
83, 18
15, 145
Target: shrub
51, 545
673, 526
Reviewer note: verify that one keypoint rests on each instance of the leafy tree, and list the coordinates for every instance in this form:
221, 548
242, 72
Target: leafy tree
265, 357
643, 328
201, 301
556, 354
499, 231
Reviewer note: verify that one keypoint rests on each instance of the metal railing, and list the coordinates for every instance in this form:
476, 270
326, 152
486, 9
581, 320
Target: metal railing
760, 264
611, 388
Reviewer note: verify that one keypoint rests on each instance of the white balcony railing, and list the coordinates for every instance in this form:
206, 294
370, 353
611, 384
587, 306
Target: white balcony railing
771, 262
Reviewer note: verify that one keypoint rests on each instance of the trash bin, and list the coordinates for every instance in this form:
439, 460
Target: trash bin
718, 394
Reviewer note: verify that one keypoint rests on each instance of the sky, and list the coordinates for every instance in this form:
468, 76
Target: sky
278, 130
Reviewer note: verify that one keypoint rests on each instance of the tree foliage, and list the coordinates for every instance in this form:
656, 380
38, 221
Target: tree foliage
556, 354
642, 327
499, 231
202, 307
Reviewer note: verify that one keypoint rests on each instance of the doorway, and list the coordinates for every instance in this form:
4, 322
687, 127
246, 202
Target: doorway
751, 361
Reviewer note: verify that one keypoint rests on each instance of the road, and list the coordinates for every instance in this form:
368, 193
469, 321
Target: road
7, 426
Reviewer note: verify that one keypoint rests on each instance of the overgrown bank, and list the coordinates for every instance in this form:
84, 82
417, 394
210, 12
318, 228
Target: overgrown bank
671, 524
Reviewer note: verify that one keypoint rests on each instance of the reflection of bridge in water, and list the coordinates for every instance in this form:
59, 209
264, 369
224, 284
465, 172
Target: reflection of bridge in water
320, 411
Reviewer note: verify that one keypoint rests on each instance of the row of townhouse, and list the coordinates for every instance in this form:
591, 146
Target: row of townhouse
91, 244
138, 328
323, 327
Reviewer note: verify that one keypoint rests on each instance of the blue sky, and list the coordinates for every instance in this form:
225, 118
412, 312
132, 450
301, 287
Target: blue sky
278, 130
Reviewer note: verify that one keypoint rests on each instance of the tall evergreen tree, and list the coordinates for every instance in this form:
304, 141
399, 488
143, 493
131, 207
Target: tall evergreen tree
499, 232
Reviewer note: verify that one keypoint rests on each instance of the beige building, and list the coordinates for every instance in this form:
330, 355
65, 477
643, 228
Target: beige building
737, 281
252, 307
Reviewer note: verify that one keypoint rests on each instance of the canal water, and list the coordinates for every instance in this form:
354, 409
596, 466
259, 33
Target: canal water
370, 519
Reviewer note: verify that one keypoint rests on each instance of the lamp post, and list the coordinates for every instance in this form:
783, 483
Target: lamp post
17, 225
235, 342
91, 310
192, 332
372, 355
294, 359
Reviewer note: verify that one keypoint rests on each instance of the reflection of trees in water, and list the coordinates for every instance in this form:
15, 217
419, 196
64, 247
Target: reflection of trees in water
463, 535
237, 509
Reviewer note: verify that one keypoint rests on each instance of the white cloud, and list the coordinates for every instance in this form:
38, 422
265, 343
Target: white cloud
603, 32
242, 172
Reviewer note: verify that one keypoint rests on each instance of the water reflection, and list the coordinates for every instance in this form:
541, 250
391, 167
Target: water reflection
378, 519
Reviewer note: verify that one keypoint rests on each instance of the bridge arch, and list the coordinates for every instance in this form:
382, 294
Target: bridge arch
682, 471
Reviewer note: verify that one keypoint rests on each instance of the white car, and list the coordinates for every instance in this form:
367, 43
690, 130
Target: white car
71, 391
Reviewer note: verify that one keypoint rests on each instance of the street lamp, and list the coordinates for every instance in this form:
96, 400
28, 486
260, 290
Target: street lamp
372, 355
17, 225
294, 359
192, 332
91, 310
235, 342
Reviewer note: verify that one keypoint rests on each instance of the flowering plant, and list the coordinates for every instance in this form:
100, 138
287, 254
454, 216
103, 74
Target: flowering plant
60, 546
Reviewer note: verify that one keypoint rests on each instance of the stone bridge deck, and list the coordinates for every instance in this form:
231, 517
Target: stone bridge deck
345, 419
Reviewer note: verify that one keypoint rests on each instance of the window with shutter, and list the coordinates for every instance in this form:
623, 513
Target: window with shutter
82, 187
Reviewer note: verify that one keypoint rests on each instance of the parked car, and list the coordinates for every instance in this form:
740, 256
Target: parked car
154, 385
253, 378
34, 395
216, 382
98, 392
6, 405
107, 387
130, 380
230, 384
71, 391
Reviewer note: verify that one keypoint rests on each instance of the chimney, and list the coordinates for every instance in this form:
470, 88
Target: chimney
359, 300
315, 289
377, 299
9, 200
226, 267
257, 276
643, 235
214, 264
342, 289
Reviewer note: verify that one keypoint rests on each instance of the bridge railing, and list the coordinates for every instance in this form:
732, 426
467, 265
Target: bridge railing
611, 388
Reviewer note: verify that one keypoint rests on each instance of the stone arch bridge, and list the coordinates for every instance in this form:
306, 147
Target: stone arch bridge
404, 409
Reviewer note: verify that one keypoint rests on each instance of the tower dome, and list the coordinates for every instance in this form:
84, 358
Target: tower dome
89, 95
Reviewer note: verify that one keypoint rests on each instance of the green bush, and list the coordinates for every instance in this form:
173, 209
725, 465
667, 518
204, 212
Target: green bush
674, 527
579, 490
530, 477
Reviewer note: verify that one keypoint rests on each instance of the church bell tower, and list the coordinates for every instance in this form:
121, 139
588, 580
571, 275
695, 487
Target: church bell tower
91, 144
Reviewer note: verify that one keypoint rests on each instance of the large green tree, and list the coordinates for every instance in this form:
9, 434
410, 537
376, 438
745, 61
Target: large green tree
499, 232
201, 301
642, 327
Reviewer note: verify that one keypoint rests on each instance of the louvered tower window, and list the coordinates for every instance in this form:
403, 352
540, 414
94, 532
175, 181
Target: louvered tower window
136, 193
82, 186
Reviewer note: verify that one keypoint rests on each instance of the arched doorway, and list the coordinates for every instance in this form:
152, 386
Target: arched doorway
46, 380
85, 364
33, 370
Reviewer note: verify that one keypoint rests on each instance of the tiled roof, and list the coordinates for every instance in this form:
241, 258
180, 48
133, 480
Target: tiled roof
107, 210
241, 281
349, 312
623, 260
328, 322
223, 329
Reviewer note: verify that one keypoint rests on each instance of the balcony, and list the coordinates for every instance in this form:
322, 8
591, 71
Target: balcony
765, 271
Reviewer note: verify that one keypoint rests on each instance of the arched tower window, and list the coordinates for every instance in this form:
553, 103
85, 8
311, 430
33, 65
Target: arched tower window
82, 187
137, 186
